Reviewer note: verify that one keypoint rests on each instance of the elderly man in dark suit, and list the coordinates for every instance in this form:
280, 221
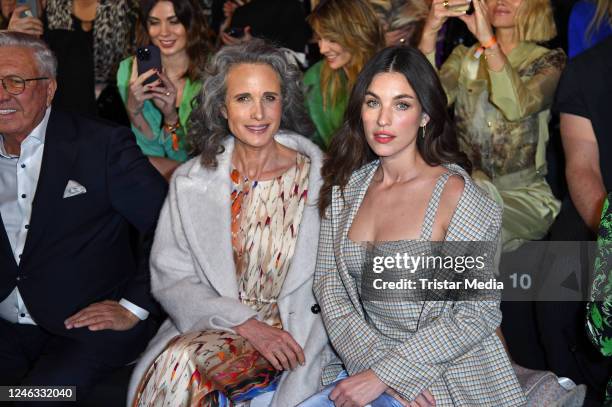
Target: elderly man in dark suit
74, 289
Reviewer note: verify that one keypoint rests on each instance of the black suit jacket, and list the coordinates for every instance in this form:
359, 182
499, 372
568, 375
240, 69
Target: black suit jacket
81, 250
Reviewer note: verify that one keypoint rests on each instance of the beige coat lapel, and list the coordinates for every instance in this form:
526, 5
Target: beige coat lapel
205, 208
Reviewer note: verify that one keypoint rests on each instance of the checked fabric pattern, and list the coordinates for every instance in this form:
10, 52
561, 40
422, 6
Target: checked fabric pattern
454, 353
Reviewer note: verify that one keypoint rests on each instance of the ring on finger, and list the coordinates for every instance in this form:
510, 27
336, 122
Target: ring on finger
445, 4
167, 93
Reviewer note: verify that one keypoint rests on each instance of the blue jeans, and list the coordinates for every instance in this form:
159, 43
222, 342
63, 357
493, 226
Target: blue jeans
321, 399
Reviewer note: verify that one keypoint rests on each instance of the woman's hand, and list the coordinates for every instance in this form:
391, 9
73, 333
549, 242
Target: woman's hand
424, 399
440, 11
164, 98
162, 92
478, 23
227, 39
358, 390
399, 37
27, 25
137, 91
277, 346
229, 7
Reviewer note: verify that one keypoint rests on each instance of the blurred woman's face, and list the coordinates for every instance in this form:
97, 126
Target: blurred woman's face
7, 7
253, 104
165, 29
391, 115
502, 13
335, 55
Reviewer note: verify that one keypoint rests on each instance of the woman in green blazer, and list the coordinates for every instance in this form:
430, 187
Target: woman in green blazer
349, 34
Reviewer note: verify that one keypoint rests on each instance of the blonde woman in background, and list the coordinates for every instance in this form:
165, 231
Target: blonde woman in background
349, 33
502, 89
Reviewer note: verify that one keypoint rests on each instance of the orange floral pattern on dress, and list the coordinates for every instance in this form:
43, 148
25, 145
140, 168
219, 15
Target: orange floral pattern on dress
217, 368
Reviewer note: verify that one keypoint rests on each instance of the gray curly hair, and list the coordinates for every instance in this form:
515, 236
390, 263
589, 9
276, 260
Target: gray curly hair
208, 128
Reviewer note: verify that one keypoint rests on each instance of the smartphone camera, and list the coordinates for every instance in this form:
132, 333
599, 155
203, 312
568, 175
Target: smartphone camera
236, 32
143, 54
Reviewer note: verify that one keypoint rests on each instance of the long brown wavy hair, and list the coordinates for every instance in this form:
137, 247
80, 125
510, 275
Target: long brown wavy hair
354, 25
349, 149
190, 14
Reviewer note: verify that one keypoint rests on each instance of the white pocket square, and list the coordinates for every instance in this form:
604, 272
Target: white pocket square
73, 188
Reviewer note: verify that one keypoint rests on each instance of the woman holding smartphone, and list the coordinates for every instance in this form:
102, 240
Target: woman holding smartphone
502, 89
159, 111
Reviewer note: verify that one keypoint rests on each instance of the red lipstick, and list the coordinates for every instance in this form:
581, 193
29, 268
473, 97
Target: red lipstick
383, 137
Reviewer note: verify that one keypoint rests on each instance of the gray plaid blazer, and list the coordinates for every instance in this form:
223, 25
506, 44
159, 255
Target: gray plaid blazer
455, 352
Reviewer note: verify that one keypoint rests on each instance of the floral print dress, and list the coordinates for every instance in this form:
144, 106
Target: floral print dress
218, 368
599, 310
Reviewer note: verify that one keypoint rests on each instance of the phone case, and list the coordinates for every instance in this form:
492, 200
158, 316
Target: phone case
32, 4
148, 57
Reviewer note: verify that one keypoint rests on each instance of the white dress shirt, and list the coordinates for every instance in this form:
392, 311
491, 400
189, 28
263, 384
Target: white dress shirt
18, 181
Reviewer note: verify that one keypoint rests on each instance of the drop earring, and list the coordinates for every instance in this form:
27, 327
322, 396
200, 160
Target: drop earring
423, 132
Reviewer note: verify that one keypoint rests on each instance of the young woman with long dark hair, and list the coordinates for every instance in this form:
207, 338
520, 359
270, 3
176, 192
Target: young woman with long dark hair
395, 178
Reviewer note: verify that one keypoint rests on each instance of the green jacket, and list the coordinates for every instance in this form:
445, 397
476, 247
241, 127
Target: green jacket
161, 144
328, 120
502, 126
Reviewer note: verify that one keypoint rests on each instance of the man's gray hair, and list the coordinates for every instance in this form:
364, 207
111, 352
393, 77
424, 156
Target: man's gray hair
47, 64
208, 128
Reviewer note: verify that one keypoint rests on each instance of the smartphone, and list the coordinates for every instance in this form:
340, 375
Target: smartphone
236, 32
468, 8
33, 11
148, 57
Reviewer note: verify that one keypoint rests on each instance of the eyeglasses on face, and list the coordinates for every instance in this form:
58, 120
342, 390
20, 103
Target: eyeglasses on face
15, 85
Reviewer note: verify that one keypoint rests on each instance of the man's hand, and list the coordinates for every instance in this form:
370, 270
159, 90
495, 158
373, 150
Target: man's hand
227, 39
358, 390
103, 315
27, 25
277, 346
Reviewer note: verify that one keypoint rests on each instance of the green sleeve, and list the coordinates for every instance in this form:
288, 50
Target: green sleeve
326, 120
517, 99
449, 71
149, 147
599, 311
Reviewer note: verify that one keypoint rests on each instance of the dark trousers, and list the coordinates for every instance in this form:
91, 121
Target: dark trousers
30, 356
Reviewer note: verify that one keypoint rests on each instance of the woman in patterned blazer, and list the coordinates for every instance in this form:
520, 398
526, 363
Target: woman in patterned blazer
395, 176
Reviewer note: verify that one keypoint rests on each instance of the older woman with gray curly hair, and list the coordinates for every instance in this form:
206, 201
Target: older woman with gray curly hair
236, 244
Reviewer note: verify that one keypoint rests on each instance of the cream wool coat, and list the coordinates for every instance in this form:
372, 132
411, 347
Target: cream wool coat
194, 278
